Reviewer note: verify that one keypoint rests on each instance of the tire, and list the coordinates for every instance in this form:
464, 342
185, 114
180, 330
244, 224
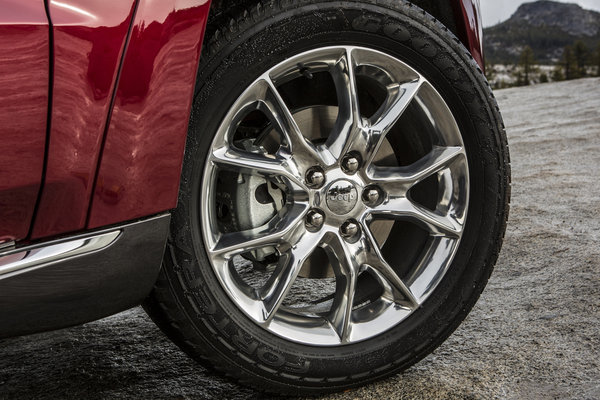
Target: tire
212, 319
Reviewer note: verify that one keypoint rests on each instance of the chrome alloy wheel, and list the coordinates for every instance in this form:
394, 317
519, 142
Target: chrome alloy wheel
337, 204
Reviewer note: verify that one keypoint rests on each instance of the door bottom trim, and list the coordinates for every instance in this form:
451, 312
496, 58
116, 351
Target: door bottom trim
81, 278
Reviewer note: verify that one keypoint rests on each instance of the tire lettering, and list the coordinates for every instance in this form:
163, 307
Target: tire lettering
247, 347
245, 344
223, 324
396, 32
300, 367
367, 23
208, 307
269, 357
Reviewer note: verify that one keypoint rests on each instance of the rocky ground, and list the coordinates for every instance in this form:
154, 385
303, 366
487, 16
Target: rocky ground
535, 332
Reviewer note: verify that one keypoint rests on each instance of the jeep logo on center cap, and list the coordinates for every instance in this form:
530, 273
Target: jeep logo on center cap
341, 197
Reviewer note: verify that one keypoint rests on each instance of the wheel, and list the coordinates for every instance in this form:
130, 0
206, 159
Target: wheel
344, 196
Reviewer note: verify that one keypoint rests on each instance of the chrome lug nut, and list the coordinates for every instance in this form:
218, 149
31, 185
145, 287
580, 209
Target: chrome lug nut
371, 196
351, 163
315, 219
349, 229
315, 177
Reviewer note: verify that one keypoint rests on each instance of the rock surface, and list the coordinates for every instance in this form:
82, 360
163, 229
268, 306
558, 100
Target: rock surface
534, 334
569, 17
546, 26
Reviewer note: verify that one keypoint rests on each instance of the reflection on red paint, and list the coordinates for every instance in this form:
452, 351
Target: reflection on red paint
468, 18
24, 63
89, 38
141, 164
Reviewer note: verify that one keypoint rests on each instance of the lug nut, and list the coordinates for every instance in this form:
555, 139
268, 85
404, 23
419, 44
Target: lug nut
371, 196
350, 163
315, 177
349, 229
315, 219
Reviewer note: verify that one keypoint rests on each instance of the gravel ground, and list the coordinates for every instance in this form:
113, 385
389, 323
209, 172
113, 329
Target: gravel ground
533, 334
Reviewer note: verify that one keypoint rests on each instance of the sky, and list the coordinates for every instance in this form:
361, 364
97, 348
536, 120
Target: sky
494, 11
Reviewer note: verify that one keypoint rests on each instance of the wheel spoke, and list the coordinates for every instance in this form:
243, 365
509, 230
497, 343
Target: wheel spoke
348, 268
398, 99
279, 284
274, 232
378, 264
353, 258
303, 150
256, 164
348, 124
403, 208
398, 180
341, 319
350, 132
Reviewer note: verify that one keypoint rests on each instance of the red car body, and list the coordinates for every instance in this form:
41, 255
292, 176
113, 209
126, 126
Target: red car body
95, 98
94, 111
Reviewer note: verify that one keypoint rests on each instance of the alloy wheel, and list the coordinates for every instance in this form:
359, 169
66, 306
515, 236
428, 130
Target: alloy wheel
330, 202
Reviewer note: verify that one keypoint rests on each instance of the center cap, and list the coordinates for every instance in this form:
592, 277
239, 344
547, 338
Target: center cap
341, 197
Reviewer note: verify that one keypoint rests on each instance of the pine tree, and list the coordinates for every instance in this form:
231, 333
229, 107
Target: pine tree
557, 74
581, 55
490, 71
526, 66
569, 63
598, 59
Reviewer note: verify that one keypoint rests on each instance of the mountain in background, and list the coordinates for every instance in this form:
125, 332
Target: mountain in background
546, 26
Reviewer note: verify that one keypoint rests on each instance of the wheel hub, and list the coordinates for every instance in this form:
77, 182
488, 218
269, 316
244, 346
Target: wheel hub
341, 197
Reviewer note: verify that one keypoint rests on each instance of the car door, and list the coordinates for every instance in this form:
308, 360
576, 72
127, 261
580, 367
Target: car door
24, 81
